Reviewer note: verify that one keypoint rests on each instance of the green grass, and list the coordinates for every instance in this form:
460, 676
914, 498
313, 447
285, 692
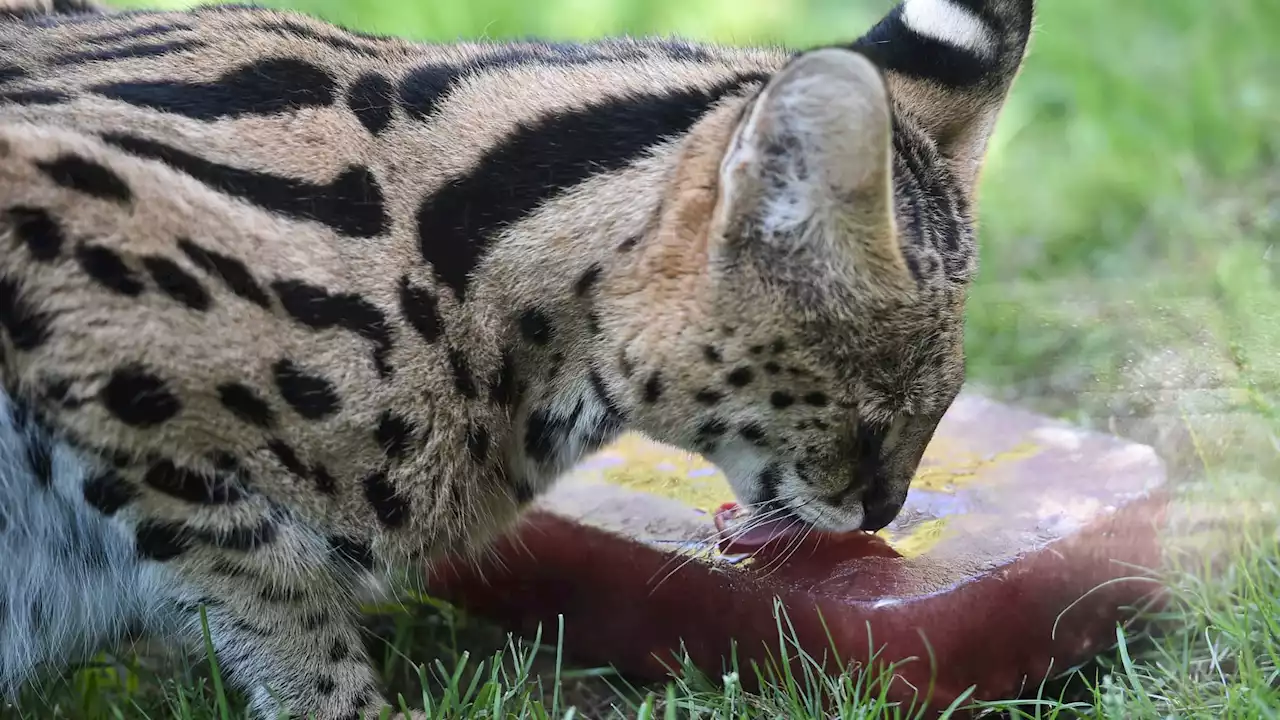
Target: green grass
1130, 281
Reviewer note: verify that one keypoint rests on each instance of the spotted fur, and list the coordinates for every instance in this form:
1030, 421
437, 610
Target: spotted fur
284, 306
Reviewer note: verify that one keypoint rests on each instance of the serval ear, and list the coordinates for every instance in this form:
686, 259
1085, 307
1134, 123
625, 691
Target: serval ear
949, 65
806, 186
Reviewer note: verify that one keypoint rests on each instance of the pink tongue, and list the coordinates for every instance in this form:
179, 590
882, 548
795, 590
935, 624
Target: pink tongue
757, 535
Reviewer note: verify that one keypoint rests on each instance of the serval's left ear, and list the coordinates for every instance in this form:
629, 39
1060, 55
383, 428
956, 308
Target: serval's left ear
807, 182
949, 65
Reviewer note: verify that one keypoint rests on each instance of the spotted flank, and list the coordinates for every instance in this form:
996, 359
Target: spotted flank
285, 308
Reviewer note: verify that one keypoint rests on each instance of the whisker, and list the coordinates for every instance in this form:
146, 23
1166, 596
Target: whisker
754, 521
713, 538
794, 542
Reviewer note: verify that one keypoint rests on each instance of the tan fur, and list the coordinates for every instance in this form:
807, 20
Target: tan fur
700, 285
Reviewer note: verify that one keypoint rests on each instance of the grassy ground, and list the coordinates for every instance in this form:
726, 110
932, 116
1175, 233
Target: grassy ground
1130, 281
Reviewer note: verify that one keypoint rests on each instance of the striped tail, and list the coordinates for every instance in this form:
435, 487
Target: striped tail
950, 64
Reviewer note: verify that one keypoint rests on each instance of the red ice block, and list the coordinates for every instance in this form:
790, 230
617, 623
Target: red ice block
1011, 527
